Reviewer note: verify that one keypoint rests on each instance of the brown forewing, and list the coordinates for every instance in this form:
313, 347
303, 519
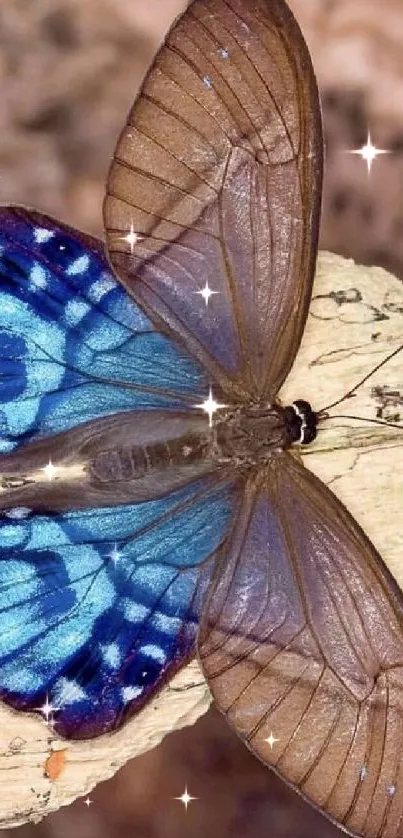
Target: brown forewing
301, 639
219, 172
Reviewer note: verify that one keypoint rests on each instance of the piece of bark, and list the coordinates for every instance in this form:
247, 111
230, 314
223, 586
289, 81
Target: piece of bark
355, 321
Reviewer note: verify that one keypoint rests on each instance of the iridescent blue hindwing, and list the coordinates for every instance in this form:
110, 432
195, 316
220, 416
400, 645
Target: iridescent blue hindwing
99, 607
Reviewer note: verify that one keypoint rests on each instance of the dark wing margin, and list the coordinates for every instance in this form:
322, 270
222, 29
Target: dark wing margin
219, 171
301, 644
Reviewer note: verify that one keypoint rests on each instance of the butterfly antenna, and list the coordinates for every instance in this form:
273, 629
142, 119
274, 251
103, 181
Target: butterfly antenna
364, 419
323, 414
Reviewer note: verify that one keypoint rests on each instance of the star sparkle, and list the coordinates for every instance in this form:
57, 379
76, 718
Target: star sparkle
206, 293
369, 152
132, 238
47, 709
210, 406
271, 740
186, 798
50, 470
115, 555
87, 802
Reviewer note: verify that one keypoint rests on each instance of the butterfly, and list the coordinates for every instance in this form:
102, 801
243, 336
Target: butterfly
150, 501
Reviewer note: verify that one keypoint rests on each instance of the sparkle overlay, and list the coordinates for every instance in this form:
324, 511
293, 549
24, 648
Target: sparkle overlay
47, 710
271, 740
115, 555
210, 406
369, 152
132, 238
186, 798
50, 470
206, 293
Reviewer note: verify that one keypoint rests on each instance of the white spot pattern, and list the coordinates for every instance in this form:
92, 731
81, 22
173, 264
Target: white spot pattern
100, 287
165, 623
79, 266
134, 611
128, 693
75, 310
67, 692
111, 654
18, 512
42, 235
37, 276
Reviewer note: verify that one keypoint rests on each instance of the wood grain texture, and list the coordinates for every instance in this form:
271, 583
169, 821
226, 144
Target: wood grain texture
355, 320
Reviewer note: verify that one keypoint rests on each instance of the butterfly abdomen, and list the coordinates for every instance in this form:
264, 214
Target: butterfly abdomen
107, 462
135, 462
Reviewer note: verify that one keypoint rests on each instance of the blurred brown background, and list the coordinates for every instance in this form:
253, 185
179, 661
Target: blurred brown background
69, 71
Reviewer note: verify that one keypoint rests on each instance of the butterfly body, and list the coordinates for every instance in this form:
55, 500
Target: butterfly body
241, 437
134, 531
101, 462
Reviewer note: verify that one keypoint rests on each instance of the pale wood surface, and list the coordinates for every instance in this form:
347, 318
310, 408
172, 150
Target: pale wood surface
356, 319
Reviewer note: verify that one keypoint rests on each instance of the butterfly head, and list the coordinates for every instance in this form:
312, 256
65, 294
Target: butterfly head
301, 422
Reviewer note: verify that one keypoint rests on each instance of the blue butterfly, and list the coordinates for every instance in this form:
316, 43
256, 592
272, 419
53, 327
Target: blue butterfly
149, 507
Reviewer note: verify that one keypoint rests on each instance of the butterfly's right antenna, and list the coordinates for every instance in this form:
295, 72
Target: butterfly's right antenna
323, 412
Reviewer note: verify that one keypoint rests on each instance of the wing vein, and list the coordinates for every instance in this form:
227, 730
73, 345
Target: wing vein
170, 154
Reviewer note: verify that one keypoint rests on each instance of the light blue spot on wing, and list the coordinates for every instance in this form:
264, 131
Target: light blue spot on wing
134, 612
100, 287
67, 692
111, 654
42, 235
38, 276
75, 311
130, 693
79, 266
